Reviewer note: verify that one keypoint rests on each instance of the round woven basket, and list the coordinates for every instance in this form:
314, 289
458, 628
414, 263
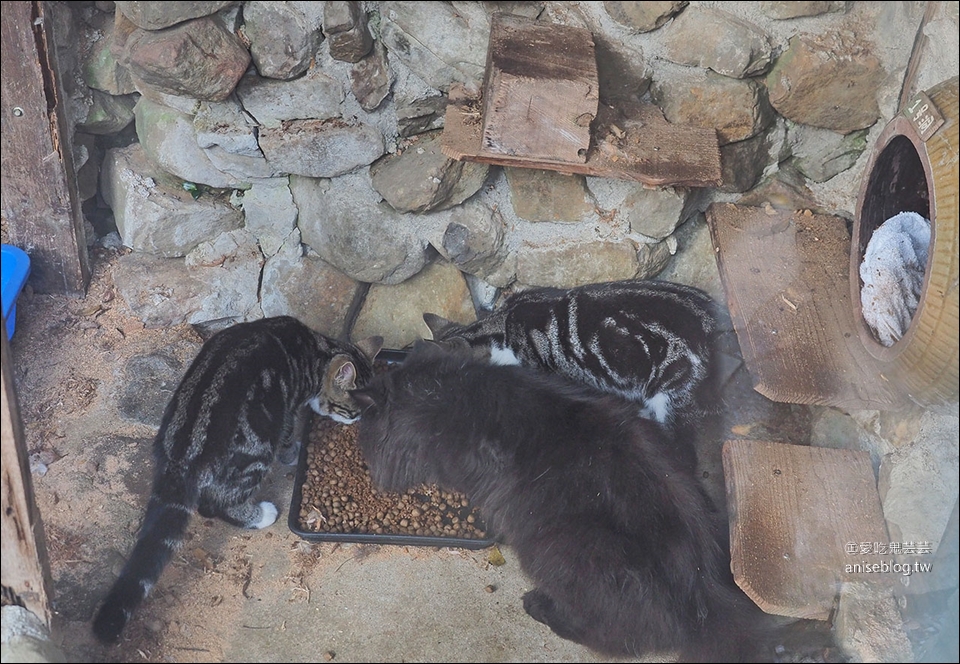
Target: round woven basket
909, 174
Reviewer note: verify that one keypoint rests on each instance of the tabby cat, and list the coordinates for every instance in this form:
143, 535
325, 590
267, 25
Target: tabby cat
625, 552
245, 400
651, 341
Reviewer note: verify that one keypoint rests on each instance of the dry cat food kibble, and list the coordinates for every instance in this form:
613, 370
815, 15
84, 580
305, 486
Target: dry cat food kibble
338, 496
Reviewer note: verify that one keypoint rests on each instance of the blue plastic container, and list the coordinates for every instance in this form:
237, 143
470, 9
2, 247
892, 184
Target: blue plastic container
16, 268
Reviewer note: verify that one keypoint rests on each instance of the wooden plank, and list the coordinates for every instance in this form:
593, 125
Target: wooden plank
540, 90
41, 205
786, 277
627, 144
25, 568
799, 519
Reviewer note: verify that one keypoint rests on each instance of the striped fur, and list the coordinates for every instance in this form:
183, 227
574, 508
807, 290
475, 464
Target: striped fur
244, 400
648, 341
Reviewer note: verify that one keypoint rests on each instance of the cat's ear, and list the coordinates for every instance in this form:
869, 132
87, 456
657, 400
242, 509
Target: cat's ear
342, 373
437, 324
370, 346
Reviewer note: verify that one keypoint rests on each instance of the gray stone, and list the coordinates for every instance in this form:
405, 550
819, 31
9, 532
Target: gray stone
719, 41
199, 59
514, 7
484, 295
313, 96
270, 214
284, 36
643, 16
301, 284
149, 382
320, 148
169, 139
737, 109
421, 178
225, 124
915, 478
26, 637
347, 225
223, 249
228, 138
941, 34
185, 105
371, 78
420, 115
159, 15
821, 154
345, 24
656, 212
694, 262
623, 72
786, 10
108, 114
164, 292
829, 81
652, 212
396, 312
542, 195
98, 64
441, 43
835, 429
472, 238
652, 257
154, 217
576, 263
742, 163
88, 158
868, 626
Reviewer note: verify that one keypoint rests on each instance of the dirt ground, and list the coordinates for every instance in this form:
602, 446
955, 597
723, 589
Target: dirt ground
87, 399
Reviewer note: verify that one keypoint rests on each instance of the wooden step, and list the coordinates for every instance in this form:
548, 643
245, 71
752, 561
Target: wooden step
802, 521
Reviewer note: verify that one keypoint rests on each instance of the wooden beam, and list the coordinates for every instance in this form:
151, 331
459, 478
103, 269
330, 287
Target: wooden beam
25, 568
41, 205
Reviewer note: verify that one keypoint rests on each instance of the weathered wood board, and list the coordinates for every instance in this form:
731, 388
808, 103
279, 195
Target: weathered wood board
786, 277
41, 205
25, 566
800, 517
626, 144
540, 90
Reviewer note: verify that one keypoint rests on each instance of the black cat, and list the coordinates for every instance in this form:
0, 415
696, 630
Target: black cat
245, 400
626, 552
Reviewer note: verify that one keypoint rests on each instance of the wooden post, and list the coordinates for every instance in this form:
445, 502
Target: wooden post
25, 567
41, 204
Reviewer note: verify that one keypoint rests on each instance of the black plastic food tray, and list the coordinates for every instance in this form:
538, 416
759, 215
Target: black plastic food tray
390, 356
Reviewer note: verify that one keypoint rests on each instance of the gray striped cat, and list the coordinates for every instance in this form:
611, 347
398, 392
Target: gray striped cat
245, 400
649, 341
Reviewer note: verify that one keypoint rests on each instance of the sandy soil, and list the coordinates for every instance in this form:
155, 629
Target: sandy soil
233, 595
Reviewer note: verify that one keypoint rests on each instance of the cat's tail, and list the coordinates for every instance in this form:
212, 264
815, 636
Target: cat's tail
163, 531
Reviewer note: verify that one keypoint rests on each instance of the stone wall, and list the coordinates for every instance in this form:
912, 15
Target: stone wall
261, 158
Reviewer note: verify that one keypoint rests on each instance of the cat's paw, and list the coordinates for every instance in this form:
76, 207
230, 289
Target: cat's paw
538, 606
542, 608
268, 514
